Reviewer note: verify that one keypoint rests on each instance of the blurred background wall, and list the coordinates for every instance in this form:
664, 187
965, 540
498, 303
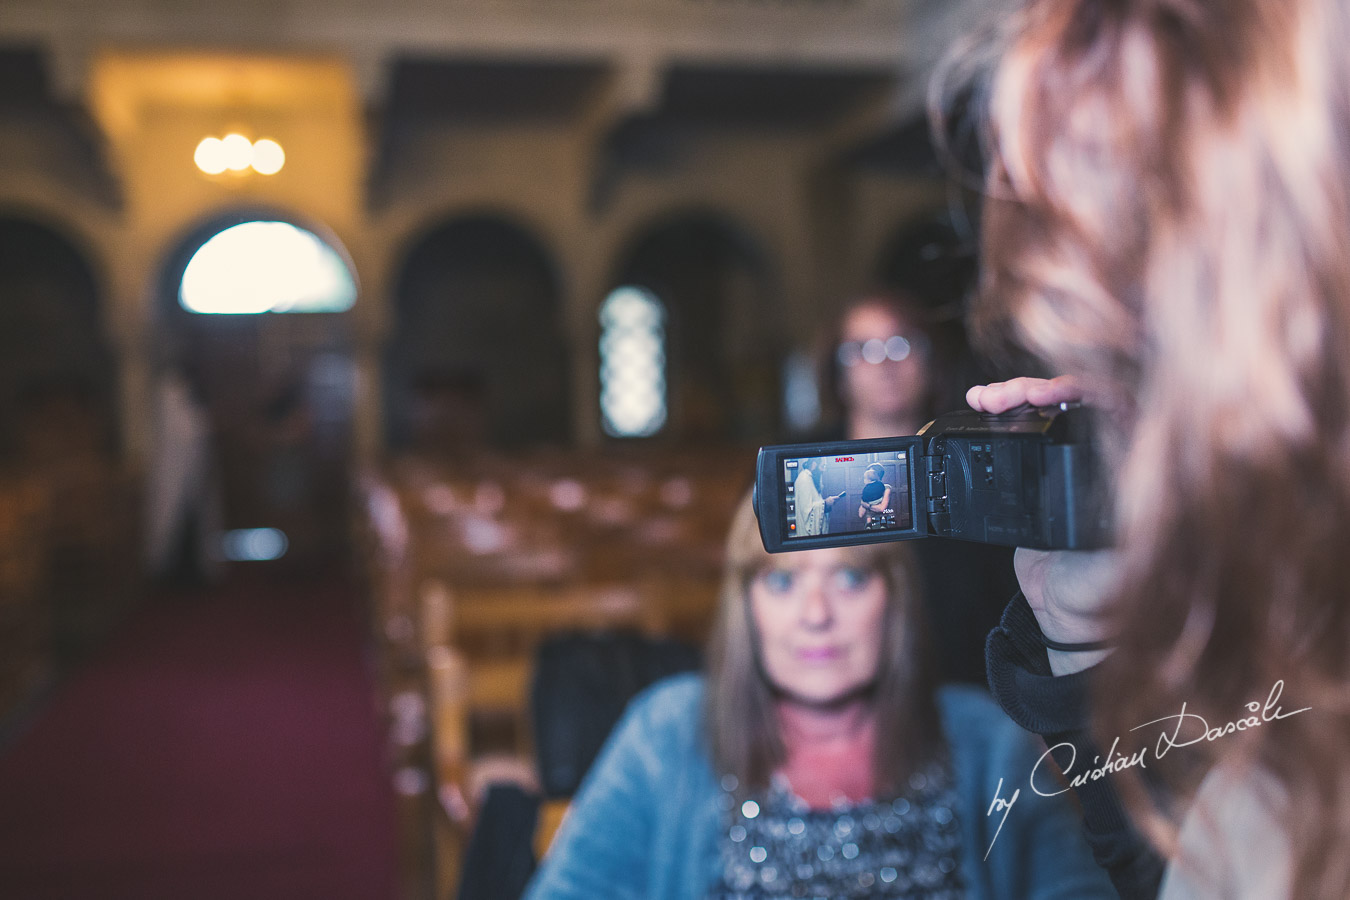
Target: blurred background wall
488, 172
483, 304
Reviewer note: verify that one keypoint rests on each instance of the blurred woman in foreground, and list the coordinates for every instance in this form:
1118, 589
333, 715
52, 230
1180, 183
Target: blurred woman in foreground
816, 759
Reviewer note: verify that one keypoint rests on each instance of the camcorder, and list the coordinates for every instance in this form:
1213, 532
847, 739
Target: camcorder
1022, 479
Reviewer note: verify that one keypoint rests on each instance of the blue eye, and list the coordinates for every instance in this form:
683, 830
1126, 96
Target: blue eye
777, 581
852, 578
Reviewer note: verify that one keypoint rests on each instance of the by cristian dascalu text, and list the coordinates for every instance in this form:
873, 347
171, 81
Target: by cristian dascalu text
1183, 729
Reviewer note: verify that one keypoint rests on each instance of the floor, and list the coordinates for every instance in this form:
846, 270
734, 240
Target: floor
223, 743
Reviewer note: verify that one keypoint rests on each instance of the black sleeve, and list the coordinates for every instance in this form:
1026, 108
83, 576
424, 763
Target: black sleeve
1056, 708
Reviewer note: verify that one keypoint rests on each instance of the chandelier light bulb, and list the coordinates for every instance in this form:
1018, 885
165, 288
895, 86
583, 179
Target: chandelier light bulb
210, 156
238, 152
268, 157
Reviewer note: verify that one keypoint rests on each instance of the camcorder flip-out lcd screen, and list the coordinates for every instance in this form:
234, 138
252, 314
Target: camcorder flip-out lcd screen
857, 492
1026, 479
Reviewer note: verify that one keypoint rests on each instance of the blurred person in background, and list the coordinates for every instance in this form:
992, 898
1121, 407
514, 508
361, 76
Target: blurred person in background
891, 369
184, 520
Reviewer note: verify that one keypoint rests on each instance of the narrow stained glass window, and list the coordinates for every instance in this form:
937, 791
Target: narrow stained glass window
632, 363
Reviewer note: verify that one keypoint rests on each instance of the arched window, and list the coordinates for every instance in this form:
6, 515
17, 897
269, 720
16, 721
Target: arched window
632, 363
260, 267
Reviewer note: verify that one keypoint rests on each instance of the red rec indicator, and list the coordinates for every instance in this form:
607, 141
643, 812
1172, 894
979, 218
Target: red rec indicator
792, 527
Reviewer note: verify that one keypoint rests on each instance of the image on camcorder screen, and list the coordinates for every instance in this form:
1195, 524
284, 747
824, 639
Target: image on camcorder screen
846, 494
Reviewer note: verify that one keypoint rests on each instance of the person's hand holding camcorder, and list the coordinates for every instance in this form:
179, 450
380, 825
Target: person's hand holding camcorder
1004, 396
1068, 590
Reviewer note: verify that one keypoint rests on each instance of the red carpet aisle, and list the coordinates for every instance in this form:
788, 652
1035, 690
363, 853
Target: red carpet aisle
222, 746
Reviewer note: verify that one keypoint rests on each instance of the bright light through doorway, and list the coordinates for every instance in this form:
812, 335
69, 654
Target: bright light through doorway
260, 267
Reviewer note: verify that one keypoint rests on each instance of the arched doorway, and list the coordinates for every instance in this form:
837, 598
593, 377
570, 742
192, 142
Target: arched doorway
478, 354
722, 336
937, 263
251, 314
58, 380
931, 259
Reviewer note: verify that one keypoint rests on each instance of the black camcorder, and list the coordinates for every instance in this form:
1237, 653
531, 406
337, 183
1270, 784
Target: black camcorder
1023, 479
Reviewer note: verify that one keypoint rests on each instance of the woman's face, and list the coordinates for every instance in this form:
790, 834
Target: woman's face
819, 615
876, 383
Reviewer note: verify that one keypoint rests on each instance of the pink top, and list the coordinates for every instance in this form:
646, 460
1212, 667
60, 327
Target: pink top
829, 752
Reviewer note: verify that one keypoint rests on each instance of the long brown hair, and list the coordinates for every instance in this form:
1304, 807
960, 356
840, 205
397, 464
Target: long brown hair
1169, 219
741, 722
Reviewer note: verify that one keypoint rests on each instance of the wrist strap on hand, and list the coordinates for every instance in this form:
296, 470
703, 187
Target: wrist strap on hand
1061, 646
1074, 648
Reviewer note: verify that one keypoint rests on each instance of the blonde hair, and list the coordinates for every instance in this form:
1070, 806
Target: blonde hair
740, 718
1169, 219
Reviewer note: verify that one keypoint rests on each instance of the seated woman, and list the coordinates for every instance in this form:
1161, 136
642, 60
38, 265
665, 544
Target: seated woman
876, 498
816, 759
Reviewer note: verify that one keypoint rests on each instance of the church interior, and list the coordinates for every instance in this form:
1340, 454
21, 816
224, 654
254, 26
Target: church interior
361, 362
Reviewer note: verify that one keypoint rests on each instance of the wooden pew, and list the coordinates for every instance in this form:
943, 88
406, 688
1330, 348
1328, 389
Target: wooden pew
478, 561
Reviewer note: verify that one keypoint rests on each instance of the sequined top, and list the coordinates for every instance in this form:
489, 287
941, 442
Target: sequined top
774, 845
647, 825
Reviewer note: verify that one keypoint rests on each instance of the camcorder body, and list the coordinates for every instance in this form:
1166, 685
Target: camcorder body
1024, 479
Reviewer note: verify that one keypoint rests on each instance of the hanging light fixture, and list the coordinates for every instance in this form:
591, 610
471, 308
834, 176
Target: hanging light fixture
236, 153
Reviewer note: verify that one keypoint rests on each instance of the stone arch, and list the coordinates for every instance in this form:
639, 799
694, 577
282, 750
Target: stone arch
55, 359
279, 390
477, 349
931, 259
936, 262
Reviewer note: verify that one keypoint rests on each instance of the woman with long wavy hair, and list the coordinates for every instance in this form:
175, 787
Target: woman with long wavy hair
1168, 227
